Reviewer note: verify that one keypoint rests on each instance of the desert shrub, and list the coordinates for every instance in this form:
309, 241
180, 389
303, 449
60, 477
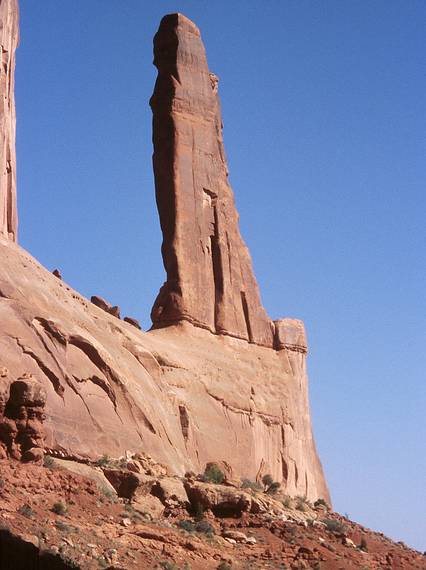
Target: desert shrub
60, 525
301, 505
273, 488
247, 484
26, 511
205, 527
334, 525
2, 483
267, 480
287, 502
48, 461
363, 545
104, 461
224, 566
168, 565
214, 475
186, 525
59, 508
322, 502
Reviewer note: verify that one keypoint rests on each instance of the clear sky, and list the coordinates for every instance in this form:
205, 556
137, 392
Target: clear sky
324, 126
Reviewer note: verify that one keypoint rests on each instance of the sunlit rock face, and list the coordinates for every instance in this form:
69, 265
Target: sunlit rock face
8, 43
216, 380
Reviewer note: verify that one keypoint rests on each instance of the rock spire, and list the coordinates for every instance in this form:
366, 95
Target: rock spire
210, 279
8, 43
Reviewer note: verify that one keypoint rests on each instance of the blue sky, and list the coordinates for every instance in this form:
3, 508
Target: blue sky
324, 126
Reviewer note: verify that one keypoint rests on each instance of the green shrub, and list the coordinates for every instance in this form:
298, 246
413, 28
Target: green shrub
104, 461
287, 502
322, 502
205, 527
247, 484
267, 480
59, 508
168, 565
48, 461
214, 475
186, 525
26, 511
334, 525
301, 504
273, 488
224, 566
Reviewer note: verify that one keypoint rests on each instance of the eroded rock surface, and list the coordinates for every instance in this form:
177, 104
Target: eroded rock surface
8, 43
210, 280
95, 385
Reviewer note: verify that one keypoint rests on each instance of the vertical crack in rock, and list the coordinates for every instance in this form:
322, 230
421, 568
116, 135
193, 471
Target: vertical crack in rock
207, 262
8, 44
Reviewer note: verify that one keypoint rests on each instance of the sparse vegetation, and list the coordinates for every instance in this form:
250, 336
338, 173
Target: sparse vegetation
273, 488
26, 511
267, 480
104, 461
334, 525
201, 526
214, 475
60, 525
248, 484
2, 483
59, 508
186, 525
224, 566
167, 565
286, 502
205, 527
48, 461
301, 504
322, 503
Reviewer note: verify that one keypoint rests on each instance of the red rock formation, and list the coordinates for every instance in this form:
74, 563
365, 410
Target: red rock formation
8, 44
210, 280
77, 381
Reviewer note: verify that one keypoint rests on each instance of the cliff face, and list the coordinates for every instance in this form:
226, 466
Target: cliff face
8, 44
204, 254
76, 380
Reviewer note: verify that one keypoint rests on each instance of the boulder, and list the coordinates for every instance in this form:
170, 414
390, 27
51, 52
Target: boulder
222, 500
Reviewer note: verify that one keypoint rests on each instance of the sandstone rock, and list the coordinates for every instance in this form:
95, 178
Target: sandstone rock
105, 306
171, 492
222, 500
95, 474
8, 43
210, 280
34, 455
128, 484
177, 392
133, 322
290, 334
235, 535
148, 505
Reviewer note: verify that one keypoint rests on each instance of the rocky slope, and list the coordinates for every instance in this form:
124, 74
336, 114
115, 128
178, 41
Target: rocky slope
68, 515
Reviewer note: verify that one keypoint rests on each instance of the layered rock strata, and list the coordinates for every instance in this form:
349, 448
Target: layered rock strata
210, 279
78, 382
8, 44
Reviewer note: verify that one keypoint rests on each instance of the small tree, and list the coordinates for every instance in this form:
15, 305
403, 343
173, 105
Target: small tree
214, 475
267, 480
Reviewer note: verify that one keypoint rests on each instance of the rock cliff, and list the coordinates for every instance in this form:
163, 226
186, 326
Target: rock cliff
98, 385
8, 44
203, 252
